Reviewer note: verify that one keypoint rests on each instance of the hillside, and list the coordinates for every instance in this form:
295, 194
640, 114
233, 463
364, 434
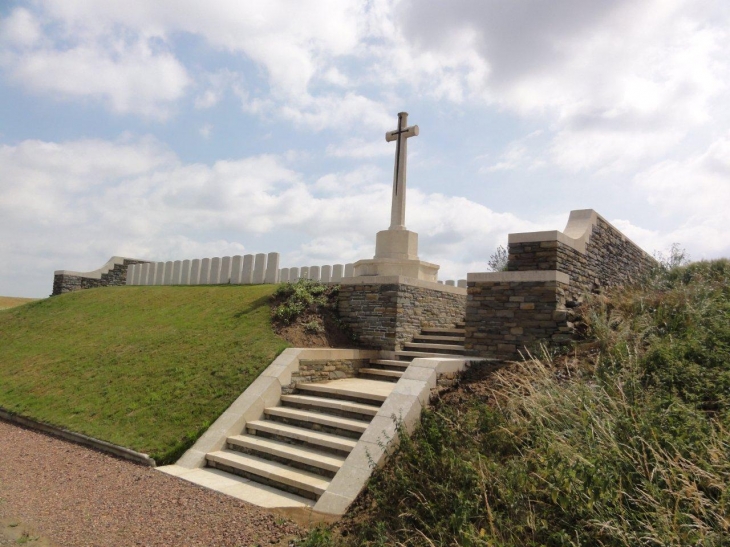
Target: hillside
148, 368
12, 301
623, 441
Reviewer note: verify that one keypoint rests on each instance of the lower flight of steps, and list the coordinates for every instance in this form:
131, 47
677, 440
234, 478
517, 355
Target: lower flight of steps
299, 446
289, 456
431, 342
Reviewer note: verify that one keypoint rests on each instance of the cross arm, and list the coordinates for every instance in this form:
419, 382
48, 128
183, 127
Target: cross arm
411, 131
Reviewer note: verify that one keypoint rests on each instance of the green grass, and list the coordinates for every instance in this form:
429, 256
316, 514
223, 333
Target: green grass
149, 368
625, 444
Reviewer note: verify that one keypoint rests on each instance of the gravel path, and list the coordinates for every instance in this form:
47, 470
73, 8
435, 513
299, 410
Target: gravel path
80, 497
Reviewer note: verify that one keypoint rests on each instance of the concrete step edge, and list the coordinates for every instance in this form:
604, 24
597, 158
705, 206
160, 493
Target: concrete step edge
301, 454
356, 394
272, 471
390, 363
334, 404
382, 372
329, 420
420, 345
309, 436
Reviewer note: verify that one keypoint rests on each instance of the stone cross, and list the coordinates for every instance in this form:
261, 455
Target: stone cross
398, 209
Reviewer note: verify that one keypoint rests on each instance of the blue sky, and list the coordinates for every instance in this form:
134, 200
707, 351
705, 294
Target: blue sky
178, 129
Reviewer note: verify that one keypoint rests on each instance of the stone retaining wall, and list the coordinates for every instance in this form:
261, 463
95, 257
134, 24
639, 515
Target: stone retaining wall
548, 274
507, 316
113, 273
320, 370
599, 257
386, 312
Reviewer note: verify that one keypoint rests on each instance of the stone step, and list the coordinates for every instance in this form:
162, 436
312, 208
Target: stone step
238, 487
438, 330
271, 471
361, 389
329, 420
385, 373
310, 401
416, 354
303, 434
437, 338
425, 346
297, 453
390, 363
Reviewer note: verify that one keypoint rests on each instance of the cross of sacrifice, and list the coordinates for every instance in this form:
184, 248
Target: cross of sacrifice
398, 209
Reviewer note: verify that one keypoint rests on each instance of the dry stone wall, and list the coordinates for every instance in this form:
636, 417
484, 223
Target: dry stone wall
511, 312
387, 315
320, 370
116, 274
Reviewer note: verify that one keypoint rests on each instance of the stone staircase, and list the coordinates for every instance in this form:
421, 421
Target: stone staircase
300, 445
290, 454
431, 342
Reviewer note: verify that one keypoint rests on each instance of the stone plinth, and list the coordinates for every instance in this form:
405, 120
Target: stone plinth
396, 253
416, 269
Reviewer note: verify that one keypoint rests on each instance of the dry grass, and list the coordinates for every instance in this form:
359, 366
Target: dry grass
7, 302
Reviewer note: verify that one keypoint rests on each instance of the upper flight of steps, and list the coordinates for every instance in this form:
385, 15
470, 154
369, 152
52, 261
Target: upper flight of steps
431, 342
299, 446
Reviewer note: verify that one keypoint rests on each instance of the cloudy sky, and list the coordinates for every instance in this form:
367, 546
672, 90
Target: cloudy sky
180, 129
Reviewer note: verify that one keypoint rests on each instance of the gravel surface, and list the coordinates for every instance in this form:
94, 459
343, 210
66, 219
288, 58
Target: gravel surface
80, 497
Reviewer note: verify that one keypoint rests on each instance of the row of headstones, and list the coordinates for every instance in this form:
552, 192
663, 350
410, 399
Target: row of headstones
452, 283
325, 274
239, 270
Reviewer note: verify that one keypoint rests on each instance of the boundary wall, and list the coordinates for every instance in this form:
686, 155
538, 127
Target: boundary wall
114, 272
385, 312
548, 274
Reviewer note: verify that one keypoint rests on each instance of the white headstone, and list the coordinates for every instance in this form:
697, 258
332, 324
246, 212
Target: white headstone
284, 275
185, 273
326, 275
144, 274
167, 279
304, 272
205, 271
259, 269
160, 273
440, 282
337, 272
451, 283
152, 273
176, 272
272, 268
214, 277
247, 273
349, 270
195, 272
138, 274
314, 273
225, 270
236, 265
461, 283
293, 275
130, 274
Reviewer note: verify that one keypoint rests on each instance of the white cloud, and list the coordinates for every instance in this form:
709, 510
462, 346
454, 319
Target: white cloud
359, 149
20, 28
77, 203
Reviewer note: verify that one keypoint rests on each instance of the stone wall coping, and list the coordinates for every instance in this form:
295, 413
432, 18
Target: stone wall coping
401, 280
96, 274
576, 234
518, 277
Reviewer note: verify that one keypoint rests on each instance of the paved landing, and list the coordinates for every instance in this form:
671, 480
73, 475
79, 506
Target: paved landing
237, 487
355, 386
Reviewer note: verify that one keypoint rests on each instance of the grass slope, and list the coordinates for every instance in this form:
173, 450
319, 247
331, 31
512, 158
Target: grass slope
144, 367
13, 301
623, 443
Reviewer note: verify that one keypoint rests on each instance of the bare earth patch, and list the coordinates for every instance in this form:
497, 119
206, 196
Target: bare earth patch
77, 497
